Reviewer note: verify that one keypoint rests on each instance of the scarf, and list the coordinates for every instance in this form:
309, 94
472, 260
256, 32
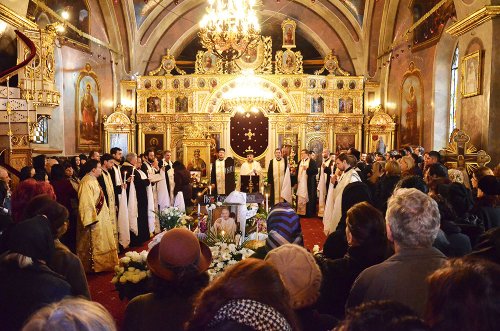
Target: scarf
151, 207
322, 190
302, 194
163, 195
256, 315
132, 204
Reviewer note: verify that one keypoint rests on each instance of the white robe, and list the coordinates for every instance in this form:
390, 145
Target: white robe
333, 209
248, 169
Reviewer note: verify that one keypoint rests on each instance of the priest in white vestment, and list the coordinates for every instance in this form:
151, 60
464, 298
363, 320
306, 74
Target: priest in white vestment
306, 185
250, 168
276, 175
222, 174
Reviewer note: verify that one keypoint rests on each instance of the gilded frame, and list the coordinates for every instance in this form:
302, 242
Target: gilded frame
467, 61
409, 74
288, 28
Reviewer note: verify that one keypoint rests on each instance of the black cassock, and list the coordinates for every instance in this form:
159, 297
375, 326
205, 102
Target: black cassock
142, 205
229, 182
312, 186
270, 180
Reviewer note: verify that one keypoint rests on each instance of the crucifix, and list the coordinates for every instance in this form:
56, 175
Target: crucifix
249, 134
460, 154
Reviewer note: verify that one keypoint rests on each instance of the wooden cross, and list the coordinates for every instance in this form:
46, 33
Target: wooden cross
249, 134
460, 154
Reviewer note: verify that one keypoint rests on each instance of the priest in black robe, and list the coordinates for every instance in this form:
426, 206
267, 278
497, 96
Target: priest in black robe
222, 177
275, 177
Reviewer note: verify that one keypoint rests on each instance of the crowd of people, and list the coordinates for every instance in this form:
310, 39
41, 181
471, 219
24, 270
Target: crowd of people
411, 245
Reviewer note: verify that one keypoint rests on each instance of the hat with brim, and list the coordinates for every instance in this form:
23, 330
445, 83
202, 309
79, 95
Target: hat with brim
178, 249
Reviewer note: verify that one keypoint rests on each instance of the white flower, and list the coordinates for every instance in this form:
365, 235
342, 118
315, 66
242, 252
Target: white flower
219, 203
220, 265
125, 260
232, 248
316, 249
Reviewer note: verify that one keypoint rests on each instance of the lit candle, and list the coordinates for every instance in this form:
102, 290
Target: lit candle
267, 202
199, 209
210, 190
125, 177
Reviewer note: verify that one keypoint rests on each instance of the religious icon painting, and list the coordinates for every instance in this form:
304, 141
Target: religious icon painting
316, 145
297, 82
181, 104
289, 62
340, 84
344, 141
411, 108
284, 83
288, 28
201, 83
187, 83
312, 83
317, 105
154, 141
253, 58
159, 84
175, 84
352, 85
210, 62
471, 73
153, 105
323, 84
88, 110
213, 83
147, 84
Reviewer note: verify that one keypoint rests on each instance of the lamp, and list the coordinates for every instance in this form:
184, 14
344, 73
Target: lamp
228, 29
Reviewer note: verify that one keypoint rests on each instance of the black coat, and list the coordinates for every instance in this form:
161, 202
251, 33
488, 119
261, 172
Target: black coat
489, 213
385, 187
340, 274
270, 181
230, 184
24, 291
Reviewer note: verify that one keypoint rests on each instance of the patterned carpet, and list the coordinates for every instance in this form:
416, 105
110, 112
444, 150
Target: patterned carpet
103, 291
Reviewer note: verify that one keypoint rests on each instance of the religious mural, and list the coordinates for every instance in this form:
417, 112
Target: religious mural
142, 9
344, 141
429, 31
471, 73
79, 16
411, 108
88, 110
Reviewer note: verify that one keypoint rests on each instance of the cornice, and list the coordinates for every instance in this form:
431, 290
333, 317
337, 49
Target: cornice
16, 20
474, 20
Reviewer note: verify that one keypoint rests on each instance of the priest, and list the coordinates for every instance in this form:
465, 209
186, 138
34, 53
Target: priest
250, 168
306, 185
222, 174
96, 245
167, 171
106, 183
324, 179
276, 174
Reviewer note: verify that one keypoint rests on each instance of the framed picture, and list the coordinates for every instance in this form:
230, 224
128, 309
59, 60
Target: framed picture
120, 140
154, 141
345, 106
471, 74
153, 105
197, 162
252, 58
288, 27
316, 145
181, 104
210, 62
317, 105
344, 141
289, 62
411, 108
195, 176
88, 110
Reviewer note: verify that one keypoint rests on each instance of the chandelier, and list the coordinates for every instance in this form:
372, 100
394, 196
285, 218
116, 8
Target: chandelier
247, 93
229, 28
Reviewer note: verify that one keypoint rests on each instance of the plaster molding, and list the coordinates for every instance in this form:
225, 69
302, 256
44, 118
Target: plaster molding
474, 20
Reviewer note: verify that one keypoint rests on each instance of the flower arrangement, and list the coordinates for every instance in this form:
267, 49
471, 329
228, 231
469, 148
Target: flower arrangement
224, 255
170, 218
131, 275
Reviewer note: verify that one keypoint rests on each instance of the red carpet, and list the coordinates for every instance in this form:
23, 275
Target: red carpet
103, 291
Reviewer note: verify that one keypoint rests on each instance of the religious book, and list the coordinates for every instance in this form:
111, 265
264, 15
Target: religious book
249, 184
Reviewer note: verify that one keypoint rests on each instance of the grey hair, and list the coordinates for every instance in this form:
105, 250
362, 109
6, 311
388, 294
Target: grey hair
71, 314
130, 156
413, 218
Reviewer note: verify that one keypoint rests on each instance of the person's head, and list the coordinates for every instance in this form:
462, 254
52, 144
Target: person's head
139, 162
26, 172
354, 152
407, 163
57, 172
49, 164
196, 153
283, 226
365, 224
106, 161
412, 219
94, 155
464, 295
363, 157
299, 272
419, 150
304, 154
392, 168
116, 153
94, 167
488, 186
480, 173
225, 213
277, 154
68, 170
436, 170
131, 158
167, 155
458, 197
250, 279
378, 170
39, 161
381, 316
433, 157
178, 165
387, 156
221, 153
150, 155
71, 314
325, 153
370, 158
24, 192
352, 194
333, 157
342, 162
249, 156
413, 182
83, 159
312, 155
56, 214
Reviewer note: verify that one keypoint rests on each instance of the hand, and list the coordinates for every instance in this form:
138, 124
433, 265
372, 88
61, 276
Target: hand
333, 179
124, 186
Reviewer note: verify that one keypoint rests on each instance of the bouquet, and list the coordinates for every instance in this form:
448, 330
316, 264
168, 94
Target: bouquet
131, 275
169, 218
224, 255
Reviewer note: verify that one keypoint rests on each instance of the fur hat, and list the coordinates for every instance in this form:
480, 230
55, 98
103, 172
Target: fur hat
299, 272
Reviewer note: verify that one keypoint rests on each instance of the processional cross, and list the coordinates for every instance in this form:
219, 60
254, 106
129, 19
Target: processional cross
249, 134
461, 154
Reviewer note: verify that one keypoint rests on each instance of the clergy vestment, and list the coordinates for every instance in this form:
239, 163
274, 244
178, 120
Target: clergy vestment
306, 188
323, 184
248, 169
117, 179
168, 173
222, 176
275, 177
333, 208
148, 169
96, 245
106, 184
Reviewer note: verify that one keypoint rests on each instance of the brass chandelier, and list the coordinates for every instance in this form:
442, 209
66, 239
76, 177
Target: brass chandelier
229, 28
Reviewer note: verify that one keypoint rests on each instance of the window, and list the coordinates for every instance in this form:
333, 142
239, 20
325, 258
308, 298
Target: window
41, 132
452, 120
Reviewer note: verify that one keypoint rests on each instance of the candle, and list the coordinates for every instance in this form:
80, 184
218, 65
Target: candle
210, 190
125, 177
199, 209
267, 202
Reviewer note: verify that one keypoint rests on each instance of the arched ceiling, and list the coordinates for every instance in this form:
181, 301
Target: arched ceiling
322, 25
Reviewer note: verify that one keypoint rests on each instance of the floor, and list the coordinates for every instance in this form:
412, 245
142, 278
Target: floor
103, 291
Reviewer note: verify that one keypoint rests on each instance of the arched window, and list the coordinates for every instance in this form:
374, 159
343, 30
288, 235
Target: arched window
452, 121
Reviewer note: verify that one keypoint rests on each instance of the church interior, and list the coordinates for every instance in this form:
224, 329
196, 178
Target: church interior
227, 89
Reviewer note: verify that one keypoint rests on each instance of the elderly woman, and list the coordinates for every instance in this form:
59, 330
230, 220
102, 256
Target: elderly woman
407, 164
